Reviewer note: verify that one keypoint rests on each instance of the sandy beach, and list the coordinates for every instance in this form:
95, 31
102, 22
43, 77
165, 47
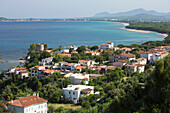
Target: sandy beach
142, 31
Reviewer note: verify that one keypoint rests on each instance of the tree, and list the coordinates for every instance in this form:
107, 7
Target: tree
51, 109
158, 85
60, 48
32, 47
45, 46
94, 47
56, 96
81, 49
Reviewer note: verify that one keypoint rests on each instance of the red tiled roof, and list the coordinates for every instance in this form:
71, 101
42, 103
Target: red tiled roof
109, 42
20, 69
79, 67
27, 101
123, 61
86, 79
140, 59
139, 52
130, 55
84, 60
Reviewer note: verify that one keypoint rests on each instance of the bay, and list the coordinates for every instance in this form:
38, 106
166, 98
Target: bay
15, 37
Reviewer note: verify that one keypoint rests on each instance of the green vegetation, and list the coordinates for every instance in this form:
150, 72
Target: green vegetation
162, 27
120, 94
49, 88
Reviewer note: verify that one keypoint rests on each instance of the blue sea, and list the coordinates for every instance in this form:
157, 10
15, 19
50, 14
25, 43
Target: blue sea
15, 37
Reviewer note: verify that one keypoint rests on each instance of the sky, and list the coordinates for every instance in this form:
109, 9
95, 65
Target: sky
74, 8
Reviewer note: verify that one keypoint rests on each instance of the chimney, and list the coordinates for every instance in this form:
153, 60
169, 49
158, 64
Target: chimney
34, 94
11, 101
37, 94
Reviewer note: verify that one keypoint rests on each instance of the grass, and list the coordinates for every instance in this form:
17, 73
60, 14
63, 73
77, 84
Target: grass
65, 106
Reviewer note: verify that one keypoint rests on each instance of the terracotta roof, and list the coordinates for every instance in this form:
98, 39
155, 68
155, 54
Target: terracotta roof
123, 61
149, 52
124, 48
39, 66
20, 69
130, 55
47, 71
161, 53
139, 52
131, 65
134, 65
69, 64
103, 44
86, 90
86, 79
79, 67
84, 60
113, 47
110, 42
27, 101
140, 59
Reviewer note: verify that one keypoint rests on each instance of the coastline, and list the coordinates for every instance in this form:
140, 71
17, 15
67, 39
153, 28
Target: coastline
141, 31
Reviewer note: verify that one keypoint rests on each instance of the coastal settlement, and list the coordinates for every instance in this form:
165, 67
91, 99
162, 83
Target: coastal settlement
79, 66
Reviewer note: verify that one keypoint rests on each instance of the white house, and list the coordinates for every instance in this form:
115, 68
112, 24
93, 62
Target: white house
131, 68
107, 46
157, 56
30, 104
125, 56
35, 71
71, 47
92, 53
46, 61
114, 48
78, 77
74, 92
125, 49
64, 51
147, 55
86, 62
141, 61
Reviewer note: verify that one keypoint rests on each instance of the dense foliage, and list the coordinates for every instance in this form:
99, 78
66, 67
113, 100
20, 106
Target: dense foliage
162, 27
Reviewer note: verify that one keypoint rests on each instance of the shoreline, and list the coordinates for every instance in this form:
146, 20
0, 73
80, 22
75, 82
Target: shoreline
141, 31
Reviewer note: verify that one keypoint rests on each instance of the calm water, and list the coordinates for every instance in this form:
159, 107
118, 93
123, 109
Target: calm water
15, 37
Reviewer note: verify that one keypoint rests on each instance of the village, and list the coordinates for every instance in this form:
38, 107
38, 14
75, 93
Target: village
97, 61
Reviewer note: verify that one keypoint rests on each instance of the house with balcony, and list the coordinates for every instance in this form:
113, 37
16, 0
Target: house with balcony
107, 46
72, 93
131, 68
125, 56
79, 77
86, 62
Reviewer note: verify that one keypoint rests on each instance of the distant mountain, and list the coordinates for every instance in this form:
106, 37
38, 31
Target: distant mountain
136, 14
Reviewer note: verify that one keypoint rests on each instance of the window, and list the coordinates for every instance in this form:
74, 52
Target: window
41, 111
69, 92
45, 105
41, 106
45, 111
73, 93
